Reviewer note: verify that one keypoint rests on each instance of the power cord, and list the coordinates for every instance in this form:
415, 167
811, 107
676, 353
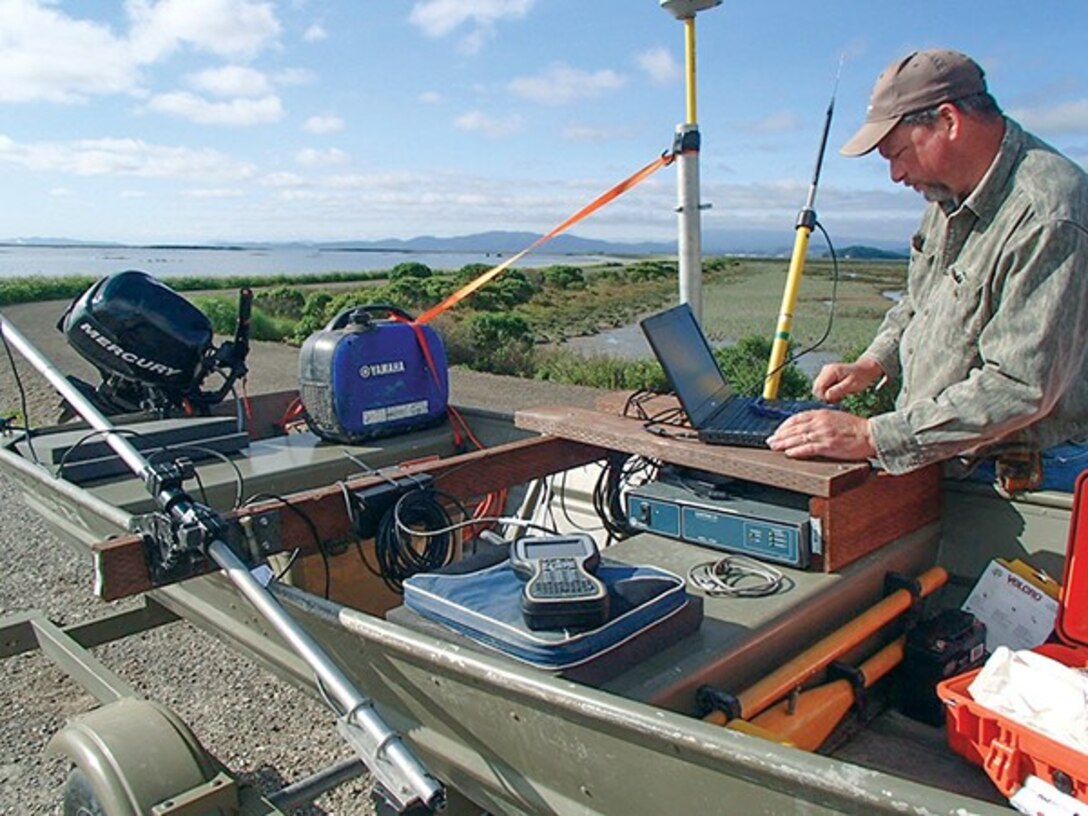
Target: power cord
737, 576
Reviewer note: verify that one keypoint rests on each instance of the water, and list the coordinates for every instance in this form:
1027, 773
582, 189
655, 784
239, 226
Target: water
49, 261
629, 343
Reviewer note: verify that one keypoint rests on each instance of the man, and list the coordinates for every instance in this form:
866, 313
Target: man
989, 343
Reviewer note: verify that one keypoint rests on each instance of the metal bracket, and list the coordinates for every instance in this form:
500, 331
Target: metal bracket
220, 792
373, 749
254, 537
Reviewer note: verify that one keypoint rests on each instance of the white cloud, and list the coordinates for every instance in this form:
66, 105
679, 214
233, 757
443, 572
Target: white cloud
594, 133
659, 65
774, 123
122, 157
213, 193
233, 113
61, 192
430, 98
438, 18
1067, 117
323, 124
562, 84
294, 76
283, 180
235, 29
477, 121
46, 55
231, 80
310, 157
315, 33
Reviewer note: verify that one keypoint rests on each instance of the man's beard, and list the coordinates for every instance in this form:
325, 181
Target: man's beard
936, 193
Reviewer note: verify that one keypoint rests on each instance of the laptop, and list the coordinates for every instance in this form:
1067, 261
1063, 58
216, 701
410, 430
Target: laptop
719, 416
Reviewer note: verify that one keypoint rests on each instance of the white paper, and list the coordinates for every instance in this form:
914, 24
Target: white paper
1037, 692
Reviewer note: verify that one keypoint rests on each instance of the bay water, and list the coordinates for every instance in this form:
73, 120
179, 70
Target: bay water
164, 262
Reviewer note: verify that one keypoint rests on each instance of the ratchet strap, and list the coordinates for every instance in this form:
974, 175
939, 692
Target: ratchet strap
625, 185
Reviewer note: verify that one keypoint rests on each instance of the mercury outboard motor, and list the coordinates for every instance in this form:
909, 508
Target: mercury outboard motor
152, 347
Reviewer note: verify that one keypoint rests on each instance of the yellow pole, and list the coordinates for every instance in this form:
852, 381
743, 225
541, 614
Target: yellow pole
806, 222
689, 66
781, 343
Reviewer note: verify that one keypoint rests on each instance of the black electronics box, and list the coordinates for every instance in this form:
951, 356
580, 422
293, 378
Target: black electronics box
949, 644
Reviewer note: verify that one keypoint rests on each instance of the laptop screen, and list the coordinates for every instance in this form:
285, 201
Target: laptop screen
684, 353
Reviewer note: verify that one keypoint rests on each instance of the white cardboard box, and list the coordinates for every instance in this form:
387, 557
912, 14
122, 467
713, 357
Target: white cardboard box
1017, 613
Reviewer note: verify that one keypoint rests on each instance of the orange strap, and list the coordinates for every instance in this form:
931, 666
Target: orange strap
625, 185
425, 347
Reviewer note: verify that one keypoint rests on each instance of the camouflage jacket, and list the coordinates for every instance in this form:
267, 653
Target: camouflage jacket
990, 340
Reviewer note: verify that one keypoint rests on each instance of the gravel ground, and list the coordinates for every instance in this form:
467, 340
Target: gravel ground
261, 728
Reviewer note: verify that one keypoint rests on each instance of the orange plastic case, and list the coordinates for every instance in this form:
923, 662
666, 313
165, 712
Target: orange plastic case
1006, 750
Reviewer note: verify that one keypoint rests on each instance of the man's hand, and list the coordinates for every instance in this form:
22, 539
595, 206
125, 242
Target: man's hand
824, 433
838, 380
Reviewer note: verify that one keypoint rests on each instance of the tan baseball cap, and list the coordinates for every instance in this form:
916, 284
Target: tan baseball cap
920, 80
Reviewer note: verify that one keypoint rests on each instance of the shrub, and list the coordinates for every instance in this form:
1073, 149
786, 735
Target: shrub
410, 269
745, 366
499, 343
281, 301
564, 277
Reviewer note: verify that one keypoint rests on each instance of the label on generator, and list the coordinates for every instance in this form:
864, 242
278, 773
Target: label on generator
389, 413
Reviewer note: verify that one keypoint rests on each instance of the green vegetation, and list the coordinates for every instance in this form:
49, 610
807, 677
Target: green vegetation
516, 323
31, 290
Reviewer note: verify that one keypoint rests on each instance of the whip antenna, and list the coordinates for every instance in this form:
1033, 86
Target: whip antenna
806, 222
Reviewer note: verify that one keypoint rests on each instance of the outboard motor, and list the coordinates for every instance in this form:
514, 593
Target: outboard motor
152, 347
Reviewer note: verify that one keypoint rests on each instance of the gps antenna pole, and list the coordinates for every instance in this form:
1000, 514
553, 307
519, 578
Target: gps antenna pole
391, 762
686, 143
806, 222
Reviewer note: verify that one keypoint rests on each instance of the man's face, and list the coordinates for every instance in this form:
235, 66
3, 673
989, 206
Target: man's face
916, 157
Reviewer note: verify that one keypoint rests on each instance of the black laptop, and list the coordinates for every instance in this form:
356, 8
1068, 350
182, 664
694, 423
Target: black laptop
719, 416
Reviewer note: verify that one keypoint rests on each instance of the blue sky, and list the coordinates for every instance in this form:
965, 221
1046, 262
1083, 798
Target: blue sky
236, 120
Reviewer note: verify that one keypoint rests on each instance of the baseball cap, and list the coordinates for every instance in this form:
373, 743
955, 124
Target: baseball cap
920, 80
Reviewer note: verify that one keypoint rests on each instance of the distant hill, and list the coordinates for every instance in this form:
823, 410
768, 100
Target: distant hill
778, 243
868, 253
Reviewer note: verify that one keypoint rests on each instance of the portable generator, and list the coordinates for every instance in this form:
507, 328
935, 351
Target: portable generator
363, 376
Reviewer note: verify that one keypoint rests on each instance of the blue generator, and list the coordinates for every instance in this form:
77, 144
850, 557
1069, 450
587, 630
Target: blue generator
372, 371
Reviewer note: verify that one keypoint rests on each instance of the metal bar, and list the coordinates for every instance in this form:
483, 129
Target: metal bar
25, 631
306, 790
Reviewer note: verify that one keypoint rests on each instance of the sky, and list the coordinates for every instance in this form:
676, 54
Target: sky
202, 121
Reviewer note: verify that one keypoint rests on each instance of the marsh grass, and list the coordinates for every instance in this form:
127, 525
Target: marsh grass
749, 304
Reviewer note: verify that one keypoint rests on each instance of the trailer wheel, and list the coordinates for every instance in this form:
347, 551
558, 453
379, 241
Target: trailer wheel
79, 798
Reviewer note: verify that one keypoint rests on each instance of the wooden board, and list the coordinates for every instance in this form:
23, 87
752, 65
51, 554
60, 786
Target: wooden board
121, 569
606, 430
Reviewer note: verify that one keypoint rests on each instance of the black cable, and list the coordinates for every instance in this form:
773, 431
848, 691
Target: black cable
22, 399
792, 358
309, 523
398, 558
618, 470
87, 437
239, 479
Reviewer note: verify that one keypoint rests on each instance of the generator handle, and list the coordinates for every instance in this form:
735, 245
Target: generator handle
341, 319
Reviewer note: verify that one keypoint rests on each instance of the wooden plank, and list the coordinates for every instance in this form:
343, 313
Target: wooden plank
813, 478
121, 570
875, 513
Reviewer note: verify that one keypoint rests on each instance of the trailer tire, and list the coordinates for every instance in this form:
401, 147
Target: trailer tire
79, 798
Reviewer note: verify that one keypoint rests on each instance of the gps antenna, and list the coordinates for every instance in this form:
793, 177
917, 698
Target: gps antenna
806, 222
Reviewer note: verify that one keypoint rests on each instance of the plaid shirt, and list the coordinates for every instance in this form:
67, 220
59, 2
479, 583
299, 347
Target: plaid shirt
990, 340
